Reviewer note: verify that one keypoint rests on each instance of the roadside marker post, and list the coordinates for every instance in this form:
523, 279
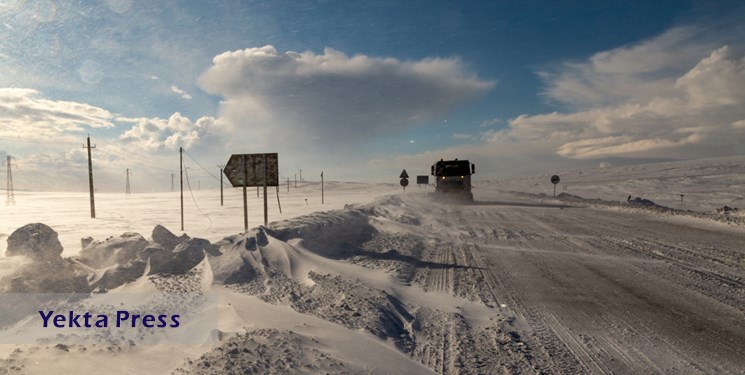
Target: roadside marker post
555, 180
404, 179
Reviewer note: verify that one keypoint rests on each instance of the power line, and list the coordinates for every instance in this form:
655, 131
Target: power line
203, 168
186, 172
119, 152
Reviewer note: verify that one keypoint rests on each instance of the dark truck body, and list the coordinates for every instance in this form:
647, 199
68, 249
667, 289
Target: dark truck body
453, 178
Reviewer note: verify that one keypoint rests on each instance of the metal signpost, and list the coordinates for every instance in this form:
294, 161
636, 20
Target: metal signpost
422, 180
245, 170
404, 179
555, 180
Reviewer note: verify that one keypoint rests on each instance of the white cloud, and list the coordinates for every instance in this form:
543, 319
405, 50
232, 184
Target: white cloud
462, 136
633, 74
156, 134
24, 113
668, 97
490, 123
317, 101
183, 94
690, 117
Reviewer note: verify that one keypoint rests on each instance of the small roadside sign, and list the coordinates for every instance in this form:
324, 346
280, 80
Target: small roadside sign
404, 179
555, 180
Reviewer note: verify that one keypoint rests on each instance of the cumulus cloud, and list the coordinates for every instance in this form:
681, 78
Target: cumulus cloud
692, 115
24, 113
634, 74
155, 134
332, 98
669, 97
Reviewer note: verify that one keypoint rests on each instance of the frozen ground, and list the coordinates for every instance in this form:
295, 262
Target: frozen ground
380, 281
705, 184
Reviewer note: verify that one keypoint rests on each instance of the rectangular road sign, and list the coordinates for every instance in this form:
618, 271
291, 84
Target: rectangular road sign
422, 180
255, 170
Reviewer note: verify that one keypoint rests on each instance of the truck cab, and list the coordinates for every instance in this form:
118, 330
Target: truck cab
453, 178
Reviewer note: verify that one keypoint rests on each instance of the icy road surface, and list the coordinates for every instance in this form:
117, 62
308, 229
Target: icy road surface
597, 290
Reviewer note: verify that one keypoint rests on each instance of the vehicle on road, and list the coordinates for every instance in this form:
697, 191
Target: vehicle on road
453, 179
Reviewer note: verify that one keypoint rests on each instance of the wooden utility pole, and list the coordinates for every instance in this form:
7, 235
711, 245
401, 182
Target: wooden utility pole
127, 191
221, 194
279, 204
90, 177
11, 199
181, 171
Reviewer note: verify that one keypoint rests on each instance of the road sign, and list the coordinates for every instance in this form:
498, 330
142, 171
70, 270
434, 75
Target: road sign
404, 182
255, 170
404, 174
422, 180
555, 180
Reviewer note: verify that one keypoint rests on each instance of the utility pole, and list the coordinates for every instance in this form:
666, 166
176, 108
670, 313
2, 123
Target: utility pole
221, 167
11, 200
90, 177
127, 191
172, 189
295, 180
181, 170
301, 175
321, 187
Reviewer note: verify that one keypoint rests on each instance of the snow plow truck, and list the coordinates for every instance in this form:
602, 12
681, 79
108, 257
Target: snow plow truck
453, 179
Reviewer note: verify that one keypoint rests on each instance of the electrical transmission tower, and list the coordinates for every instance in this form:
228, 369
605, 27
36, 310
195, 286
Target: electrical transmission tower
11, 199
128, 191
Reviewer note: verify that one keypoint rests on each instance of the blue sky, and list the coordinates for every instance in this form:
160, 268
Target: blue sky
364, 89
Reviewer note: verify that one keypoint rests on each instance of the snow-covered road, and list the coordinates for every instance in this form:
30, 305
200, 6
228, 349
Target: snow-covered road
380, 280
595, 290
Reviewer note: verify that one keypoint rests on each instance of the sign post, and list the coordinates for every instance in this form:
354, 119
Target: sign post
404, 179
422, 180
266, 176
555, 180
245, 201
245, 170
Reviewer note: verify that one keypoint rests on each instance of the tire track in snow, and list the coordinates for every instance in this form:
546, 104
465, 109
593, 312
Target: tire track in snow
564, 238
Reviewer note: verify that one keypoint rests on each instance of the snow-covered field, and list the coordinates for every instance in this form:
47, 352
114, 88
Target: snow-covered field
704, 184
378, 280
116, 213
